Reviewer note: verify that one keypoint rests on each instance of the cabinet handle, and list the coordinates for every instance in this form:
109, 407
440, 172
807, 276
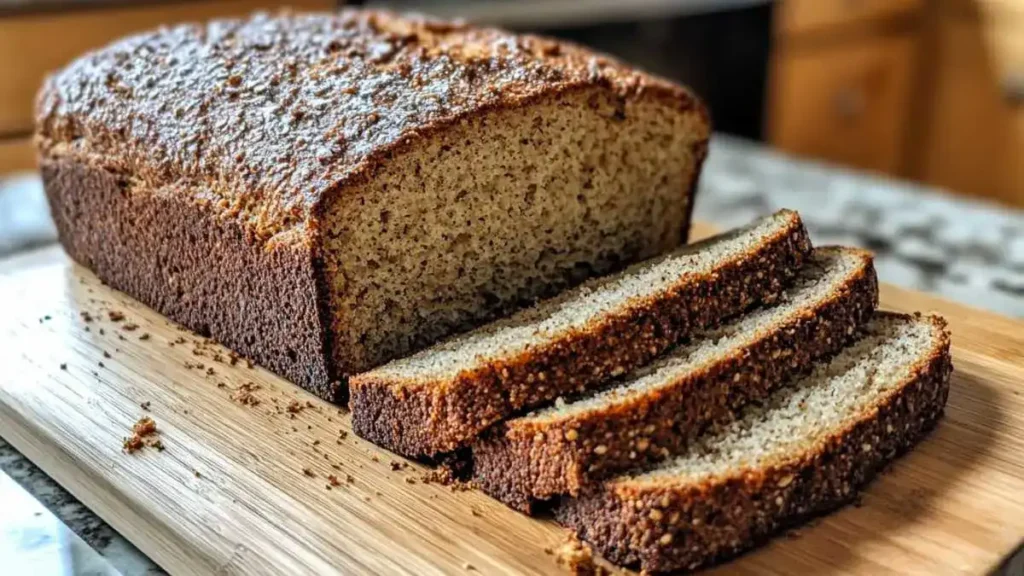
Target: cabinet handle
850, 103
1013, 89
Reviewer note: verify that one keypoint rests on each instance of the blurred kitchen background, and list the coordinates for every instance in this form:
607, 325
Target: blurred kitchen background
897, 125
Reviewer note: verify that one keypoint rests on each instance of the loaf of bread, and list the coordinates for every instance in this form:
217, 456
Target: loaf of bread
324, 193
806, 450
440, 399
653, 412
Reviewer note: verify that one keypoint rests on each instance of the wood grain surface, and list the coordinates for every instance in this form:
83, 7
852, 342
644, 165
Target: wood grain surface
243, 489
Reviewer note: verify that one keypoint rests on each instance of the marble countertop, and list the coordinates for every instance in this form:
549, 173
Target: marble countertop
923, 239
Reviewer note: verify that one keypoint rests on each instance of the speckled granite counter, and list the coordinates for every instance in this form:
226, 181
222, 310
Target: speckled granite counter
965, 251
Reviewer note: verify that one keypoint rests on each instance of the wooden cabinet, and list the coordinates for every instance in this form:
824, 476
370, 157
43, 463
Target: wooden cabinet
16, 155
803, 16
844, 103
973, 140
931, 90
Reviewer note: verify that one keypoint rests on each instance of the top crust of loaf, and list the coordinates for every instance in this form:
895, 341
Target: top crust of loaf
265, 118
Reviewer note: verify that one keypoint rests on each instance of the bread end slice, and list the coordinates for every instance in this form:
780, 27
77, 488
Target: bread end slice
805, 452
652, 413
440, 399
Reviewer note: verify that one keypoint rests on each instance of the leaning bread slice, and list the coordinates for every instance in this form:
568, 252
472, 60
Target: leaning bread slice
443, 397
805, 451
651, 413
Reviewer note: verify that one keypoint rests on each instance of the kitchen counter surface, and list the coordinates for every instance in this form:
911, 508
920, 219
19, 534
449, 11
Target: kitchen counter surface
923, 239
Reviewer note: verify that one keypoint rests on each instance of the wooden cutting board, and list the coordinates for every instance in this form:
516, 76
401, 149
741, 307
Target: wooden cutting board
242, 489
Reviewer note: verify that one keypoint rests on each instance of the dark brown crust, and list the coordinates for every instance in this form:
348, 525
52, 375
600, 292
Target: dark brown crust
664, 527
427, 418
181, 260
521, 460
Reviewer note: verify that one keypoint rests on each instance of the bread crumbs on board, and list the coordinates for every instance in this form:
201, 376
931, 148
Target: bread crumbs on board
244, 394
578, 558
144, 428
132, 445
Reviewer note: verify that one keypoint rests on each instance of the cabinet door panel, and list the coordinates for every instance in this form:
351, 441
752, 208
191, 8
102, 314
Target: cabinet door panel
847, 103
975, 137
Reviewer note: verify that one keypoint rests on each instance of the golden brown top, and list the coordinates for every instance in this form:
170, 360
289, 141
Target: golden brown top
263, 116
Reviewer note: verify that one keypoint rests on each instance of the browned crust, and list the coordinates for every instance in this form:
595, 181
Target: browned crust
427, 418
520, 461
664, 527
198, 270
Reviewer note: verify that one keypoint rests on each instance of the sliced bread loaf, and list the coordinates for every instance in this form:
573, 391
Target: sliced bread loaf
651, 413
806, 450
327, 192
441, 398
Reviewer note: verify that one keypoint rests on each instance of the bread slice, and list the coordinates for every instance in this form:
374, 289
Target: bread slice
439, 399
807, 450
651, 413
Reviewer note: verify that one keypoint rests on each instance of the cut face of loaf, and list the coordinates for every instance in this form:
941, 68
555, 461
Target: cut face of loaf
806, 450
443, 397
500, 210
652, 413
325, 192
